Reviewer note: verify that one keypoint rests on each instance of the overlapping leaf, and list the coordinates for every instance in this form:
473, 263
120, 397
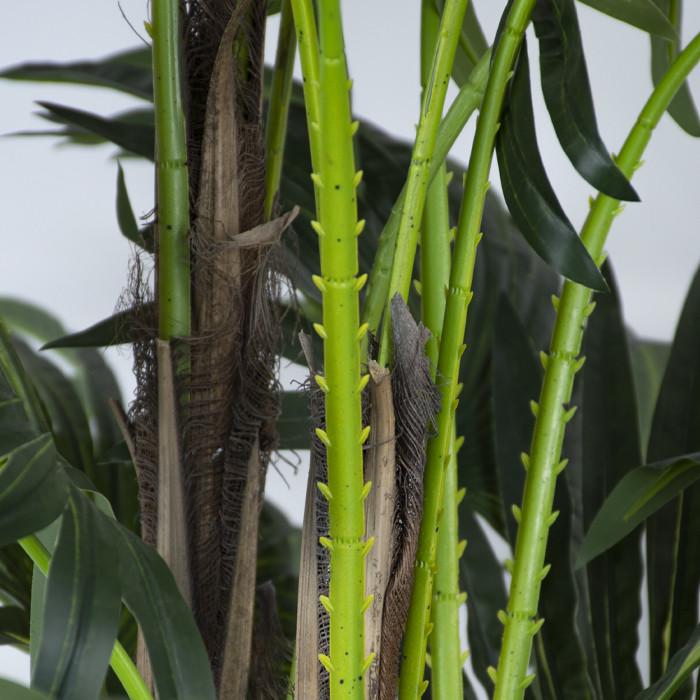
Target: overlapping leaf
528, 193
643, 14
567, 94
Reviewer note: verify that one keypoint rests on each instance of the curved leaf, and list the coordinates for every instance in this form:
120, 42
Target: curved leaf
14, 626
81, 607
567, 94
643, 14
528, 193
663, 53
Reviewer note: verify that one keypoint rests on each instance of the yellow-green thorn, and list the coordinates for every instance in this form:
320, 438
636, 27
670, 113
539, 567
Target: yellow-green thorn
493, 674
326, 602
354, 126
544, 359
326, 543
452, 233
536, 626
508, 565
461, 349
579, 364
320, 330
555, 302
448, 176
568, 415
552, 518
602, 258
366, 605
365, 490
459, 388
429, 629
357, 178
463, 657
525, 459
326, 662
322, 384
527, 681
590, 308
316, 179
361, 281
362, 331
618, 210
365, 434
316, 226
461, 494
319, 283
322, 435
545, 570
364, 380
149, 28
534, 407
422, 688
368, 546
461, 598
502, 616
368, 662
479, 236
360, 226
560, 467
517, 513
459, 441
323, 488
461, 546
418, 287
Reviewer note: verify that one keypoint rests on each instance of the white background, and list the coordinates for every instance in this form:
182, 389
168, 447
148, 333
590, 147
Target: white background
61, 246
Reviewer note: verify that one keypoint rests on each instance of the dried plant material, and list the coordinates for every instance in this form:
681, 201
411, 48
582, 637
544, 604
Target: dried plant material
416, 404
380, 469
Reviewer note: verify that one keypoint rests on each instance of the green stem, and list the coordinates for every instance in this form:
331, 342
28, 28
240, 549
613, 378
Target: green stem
561, 365
451, 345
337, 227
120, 661
467, 101
173, 255
278, 107
418, 174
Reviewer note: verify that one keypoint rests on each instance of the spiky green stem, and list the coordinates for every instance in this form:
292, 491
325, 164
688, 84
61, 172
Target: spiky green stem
337, 227
278, 106
418, 175
553, 412
120, 661
172, 189
467, 101
451, 345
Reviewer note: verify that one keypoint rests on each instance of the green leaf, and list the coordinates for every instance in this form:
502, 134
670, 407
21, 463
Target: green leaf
178, 658
567, 94
528, 193
14, 691
640, 494
683, 663
33, 490
125, 212
663, 53
81, 610
14, 626
293, 424
609, 448
129, 71
643, 14
138, 138
673, 562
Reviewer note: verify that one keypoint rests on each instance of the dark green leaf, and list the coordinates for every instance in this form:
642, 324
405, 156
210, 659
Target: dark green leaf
663, 53
33, 489
81, 611
673, 533
567, 94
129, 134
643, 14
293, 423
683, 663
125, 212
129, 71
528, 193
178, 658
14, 625
609, 448
14, 691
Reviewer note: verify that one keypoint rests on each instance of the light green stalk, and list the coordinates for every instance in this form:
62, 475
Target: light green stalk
172, 197
467, 101
451, 345
120, 661
278, 107
445, 650
552, 413
337, 227
418, 175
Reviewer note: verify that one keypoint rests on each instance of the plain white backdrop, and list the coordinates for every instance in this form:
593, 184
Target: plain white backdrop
61, 246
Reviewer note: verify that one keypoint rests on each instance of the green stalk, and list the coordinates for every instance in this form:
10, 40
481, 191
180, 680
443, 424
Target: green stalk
336, 183
173, 220
543, 464
467, 101
445, 650
278, 107
418, 174
120, 661
451, 345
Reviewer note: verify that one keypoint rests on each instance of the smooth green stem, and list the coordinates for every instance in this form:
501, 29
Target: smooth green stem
278, 107
172, 187
467, 101
120, 661
452, 341
553, 412
419, 172
338, 228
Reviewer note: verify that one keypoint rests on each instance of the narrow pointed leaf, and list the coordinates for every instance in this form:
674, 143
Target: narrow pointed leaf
528, 193
14, 626
81, 609
682, 108
138, 138
683, 663
643, 14
118, 329
567, 94
125, 213
128, 71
